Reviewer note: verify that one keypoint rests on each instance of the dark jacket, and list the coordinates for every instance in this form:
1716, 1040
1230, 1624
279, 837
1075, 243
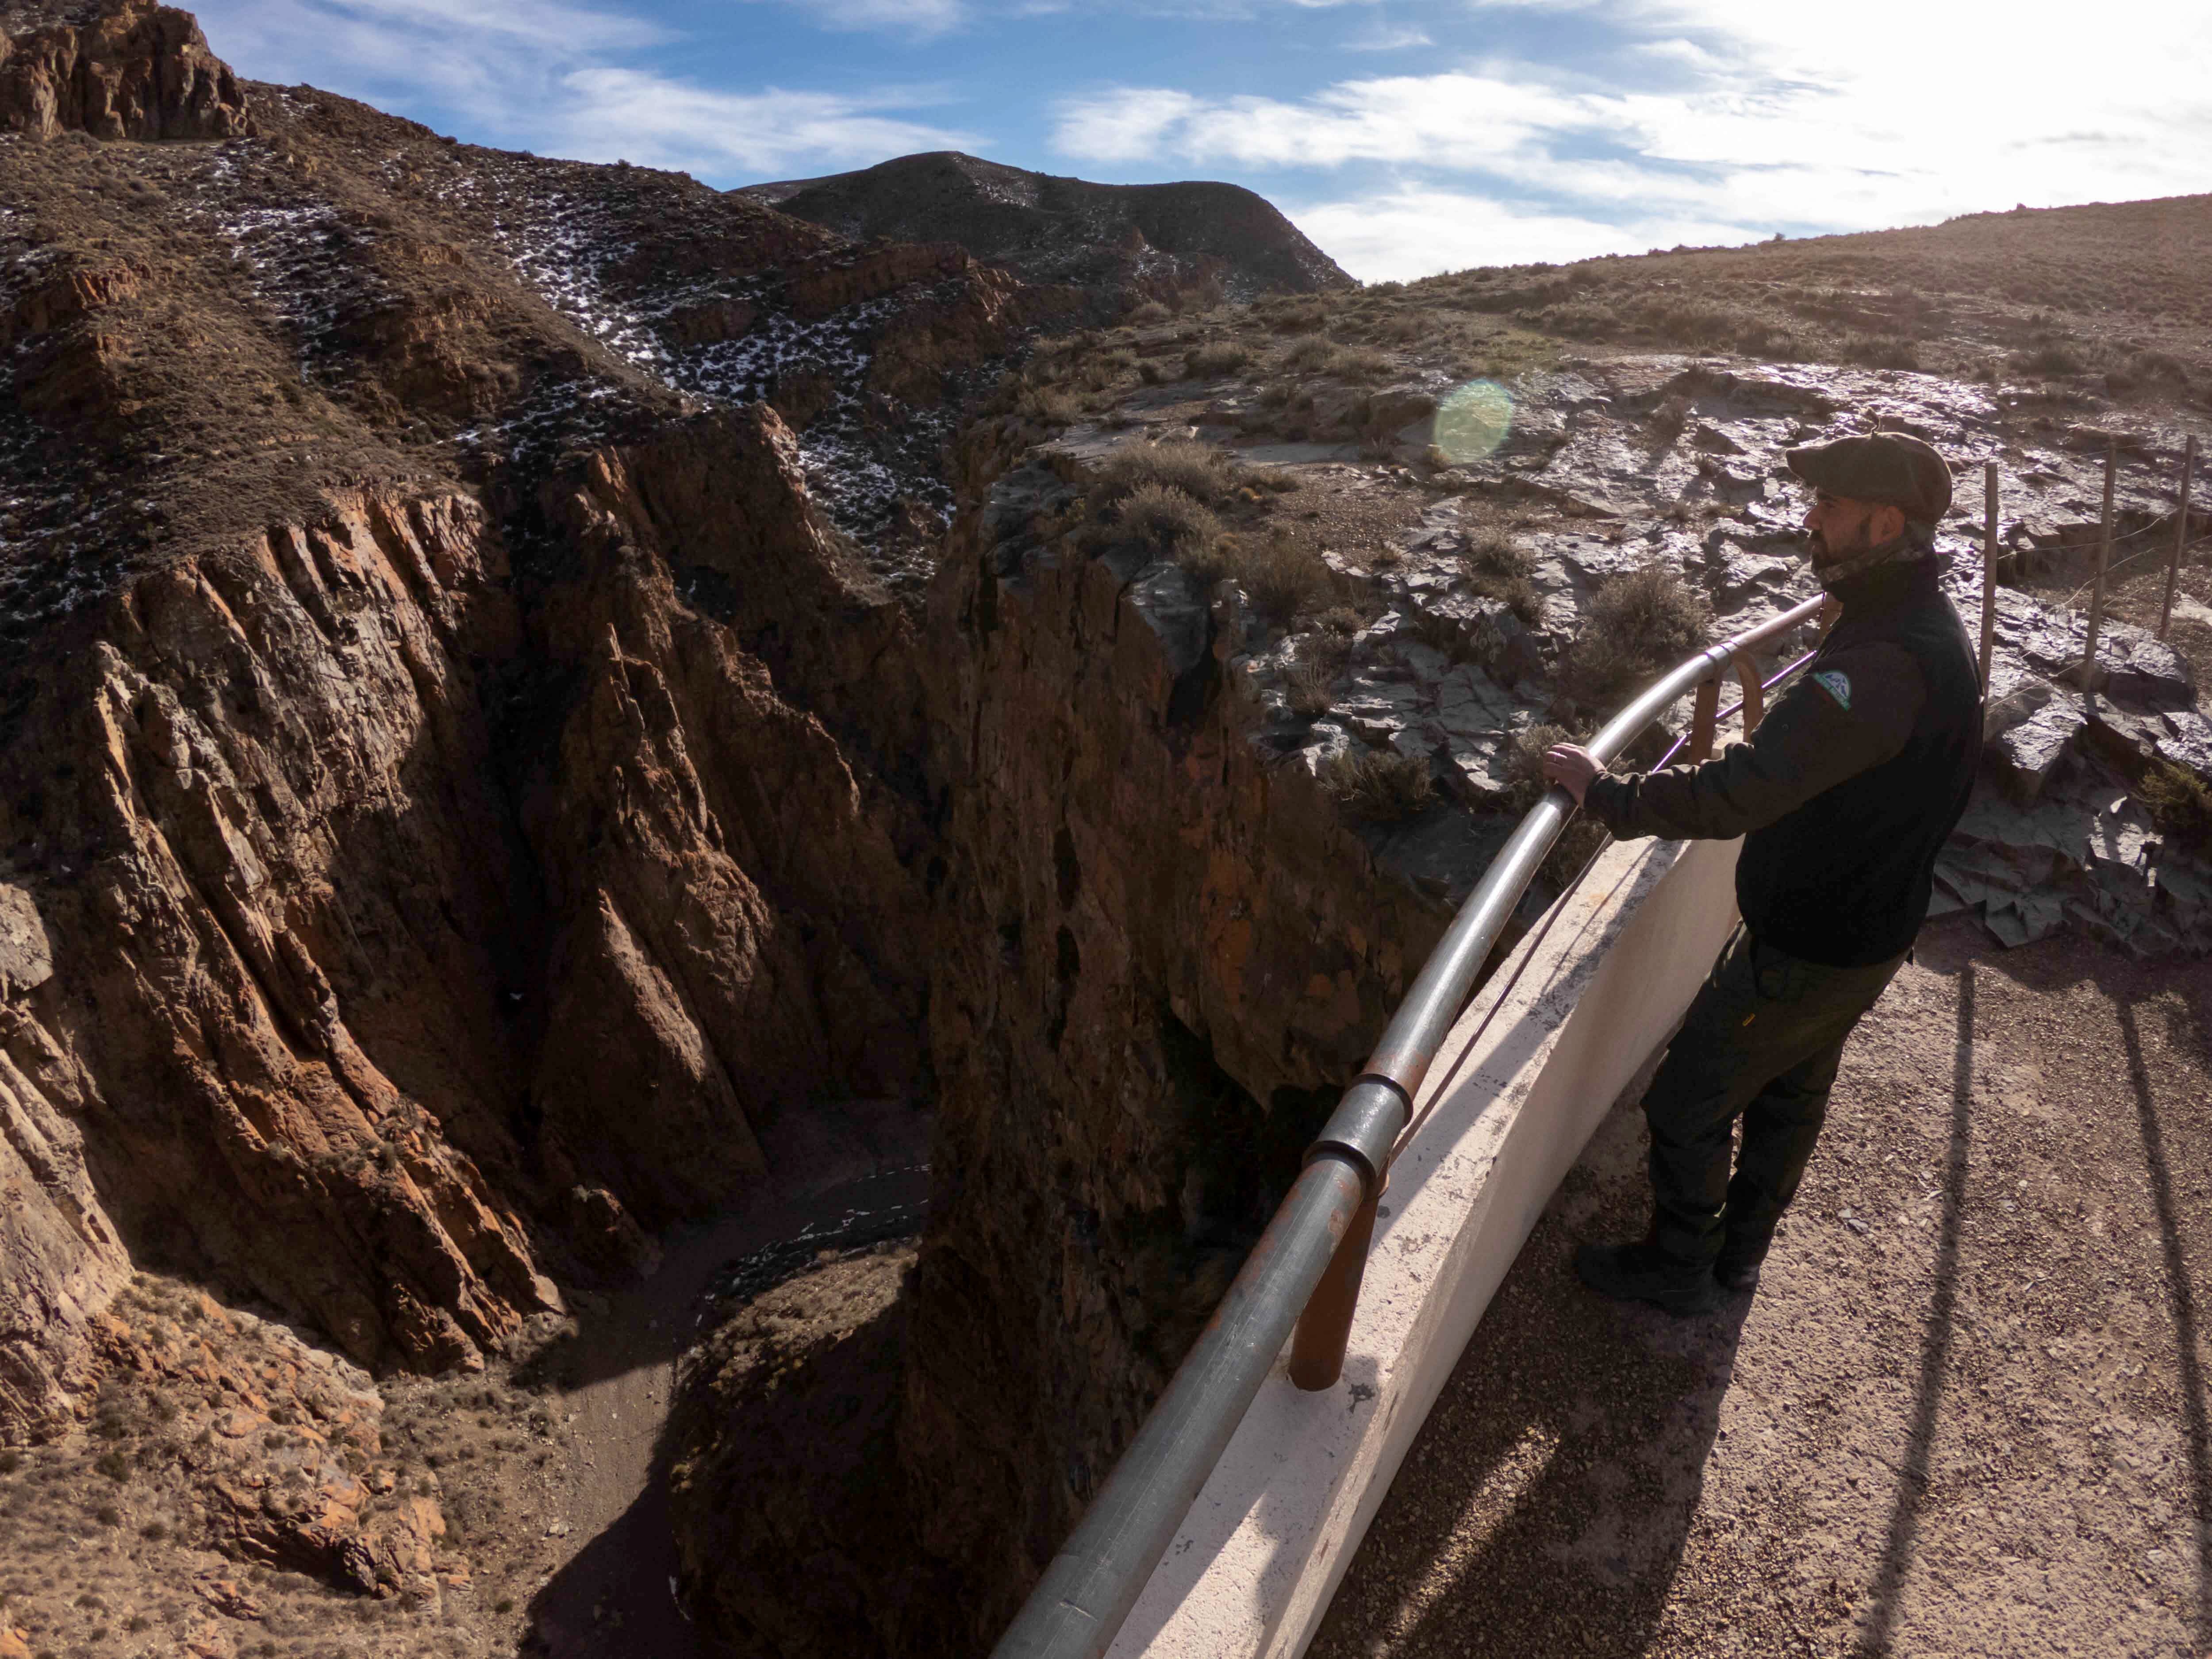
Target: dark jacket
1850, 786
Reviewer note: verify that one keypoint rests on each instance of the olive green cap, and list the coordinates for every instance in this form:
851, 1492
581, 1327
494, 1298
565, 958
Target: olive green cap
1888, 467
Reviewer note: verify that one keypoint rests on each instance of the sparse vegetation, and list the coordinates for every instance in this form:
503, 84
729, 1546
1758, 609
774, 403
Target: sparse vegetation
1638, 624
1049, 405
1379, 784
1308, 688
1215, 359
1356, 364
2050, 358
1199, 471
1279, 577
2179, 804
1172, 521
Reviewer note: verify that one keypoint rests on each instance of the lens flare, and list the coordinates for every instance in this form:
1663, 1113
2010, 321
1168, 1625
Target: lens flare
1473, 420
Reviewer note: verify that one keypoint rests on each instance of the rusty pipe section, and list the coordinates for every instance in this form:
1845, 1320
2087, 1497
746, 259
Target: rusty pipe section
1078, 1607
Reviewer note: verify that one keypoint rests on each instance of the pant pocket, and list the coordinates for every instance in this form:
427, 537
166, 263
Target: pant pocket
1776, 976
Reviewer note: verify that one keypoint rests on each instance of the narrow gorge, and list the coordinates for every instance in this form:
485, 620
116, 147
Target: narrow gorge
527, 685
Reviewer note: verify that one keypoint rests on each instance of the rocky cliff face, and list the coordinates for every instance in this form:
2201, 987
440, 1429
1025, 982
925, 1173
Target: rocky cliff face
1165, 955
287, 961
127, 69
444, 735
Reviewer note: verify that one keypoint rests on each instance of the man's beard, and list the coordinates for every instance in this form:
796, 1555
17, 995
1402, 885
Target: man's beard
1818, 550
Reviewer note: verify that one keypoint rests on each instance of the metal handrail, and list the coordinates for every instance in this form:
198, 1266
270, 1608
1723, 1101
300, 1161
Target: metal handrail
1317, 1242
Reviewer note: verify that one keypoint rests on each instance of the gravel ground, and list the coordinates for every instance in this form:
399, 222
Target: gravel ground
1964, 1413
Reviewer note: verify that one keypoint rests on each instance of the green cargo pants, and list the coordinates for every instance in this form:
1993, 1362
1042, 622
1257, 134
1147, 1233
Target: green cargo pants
1763, 1039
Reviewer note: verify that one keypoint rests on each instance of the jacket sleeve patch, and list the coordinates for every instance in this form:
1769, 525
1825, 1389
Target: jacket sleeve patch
1836, 684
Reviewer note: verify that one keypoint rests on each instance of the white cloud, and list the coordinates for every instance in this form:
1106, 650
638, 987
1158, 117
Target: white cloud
549, 74
1124, 126
646, 118
1758, 116
923, 18
1442, 121
1388, 37
1414, 231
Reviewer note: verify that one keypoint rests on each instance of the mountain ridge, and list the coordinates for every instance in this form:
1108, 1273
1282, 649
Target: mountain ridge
1202, 234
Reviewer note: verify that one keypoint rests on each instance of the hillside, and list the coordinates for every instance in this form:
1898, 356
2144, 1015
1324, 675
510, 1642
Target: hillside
531, 688
2108, 296
1190, 241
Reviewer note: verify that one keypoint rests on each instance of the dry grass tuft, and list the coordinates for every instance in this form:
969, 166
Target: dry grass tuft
1638, 624
1216, 359
1199, 471
1049, 405
1308, 688
1171, 521
1497, 569
1280, 578
1497, 553
1379, 784
1358, 365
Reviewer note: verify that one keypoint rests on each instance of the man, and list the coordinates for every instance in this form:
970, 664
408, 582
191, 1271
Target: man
1844, 796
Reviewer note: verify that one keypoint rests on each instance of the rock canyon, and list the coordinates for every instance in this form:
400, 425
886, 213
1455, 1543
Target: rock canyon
530, 689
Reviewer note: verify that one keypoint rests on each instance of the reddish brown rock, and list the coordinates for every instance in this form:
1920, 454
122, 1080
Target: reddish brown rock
138, 70
1185, 951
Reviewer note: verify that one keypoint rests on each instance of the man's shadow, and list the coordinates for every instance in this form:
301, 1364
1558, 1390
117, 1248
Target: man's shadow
1544, 1507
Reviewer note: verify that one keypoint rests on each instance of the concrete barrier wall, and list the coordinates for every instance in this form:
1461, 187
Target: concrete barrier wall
1520, 1086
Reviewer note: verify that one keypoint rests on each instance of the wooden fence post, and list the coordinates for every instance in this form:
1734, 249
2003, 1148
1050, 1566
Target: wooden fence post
1989, 568
2104, 559
2180, 535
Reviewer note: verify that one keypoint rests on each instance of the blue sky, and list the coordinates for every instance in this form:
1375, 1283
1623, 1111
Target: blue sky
1404, 137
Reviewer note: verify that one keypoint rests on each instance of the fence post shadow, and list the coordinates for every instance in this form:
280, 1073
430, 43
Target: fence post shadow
2195, 1427
1935, 1348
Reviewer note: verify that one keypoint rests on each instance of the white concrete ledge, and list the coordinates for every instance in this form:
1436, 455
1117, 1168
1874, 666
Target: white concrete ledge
1520, 1086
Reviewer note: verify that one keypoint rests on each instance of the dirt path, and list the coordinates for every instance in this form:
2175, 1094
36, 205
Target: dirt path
614, 1594
1965, 1413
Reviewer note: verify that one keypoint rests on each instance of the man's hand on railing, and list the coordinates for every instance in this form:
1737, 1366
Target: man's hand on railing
1572, 767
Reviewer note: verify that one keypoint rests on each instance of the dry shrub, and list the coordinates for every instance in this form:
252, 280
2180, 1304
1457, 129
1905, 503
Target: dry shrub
1340, 620
1524, 758
1519, 594
1380, 785
2158, 366
1150, 312
1307, 687
1638, 624
1496, 554
1279, 577
1357, 364
1297, 319
1049, 405
2179, 804
1199, 471
1218, 358
1881, 351
1169, 520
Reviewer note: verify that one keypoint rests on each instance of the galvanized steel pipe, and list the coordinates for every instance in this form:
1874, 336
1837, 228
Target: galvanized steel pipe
1079, 1604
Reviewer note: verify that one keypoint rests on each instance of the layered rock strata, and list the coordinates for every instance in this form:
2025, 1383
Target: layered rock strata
131, 69
1164, 956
